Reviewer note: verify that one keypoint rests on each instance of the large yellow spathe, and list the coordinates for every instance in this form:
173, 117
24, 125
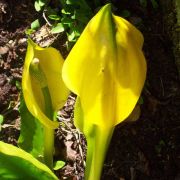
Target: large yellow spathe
50, 62
106, 69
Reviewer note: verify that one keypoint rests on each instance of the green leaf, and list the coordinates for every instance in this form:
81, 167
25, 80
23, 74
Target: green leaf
17, 164
29, 31
35, 24
71, 36
69, 45
69, 2
66, 20
58, 165
1, 120
39, 4
63, 11
18, 85
31, 136
54, 17
58, 28
42, 2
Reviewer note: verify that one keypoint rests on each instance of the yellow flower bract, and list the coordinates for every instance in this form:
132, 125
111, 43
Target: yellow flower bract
51, 63
106, 68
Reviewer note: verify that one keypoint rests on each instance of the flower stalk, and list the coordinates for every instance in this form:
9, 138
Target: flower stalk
44, 91
39, 76
97, 144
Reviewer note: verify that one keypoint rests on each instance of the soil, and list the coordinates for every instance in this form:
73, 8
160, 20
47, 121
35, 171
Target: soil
147, 149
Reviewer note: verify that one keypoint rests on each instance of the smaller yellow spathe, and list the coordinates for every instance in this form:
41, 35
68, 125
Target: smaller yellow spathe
50, 62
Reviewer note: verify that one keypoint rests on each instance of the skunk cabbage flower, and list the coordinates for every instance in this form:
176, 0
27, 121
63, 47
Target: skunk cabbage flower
106, 69
43, 89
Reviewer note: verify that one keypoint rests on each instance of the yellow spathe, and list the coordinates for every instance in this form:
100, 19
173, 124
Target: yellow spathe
50, 62
106, 68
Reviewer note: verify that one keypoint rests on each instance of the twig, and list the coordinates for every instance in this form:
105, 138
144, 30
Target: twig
44, 16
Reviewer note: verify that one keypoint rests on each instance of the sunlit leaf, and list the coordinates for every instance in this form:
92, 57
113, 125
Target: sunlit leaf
58, 165
35, 24
31, 137
1, 120
54, 17
18, 164
58, 28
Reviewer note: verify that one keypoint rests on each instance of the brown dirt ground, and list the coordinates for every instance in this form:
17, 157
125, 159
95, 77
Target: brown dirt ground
146, 149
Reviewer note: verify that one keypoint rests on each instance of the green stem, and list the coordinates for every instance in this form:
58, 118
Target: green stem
90, 152
40, 77
48, 132
96, 152
48, 147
